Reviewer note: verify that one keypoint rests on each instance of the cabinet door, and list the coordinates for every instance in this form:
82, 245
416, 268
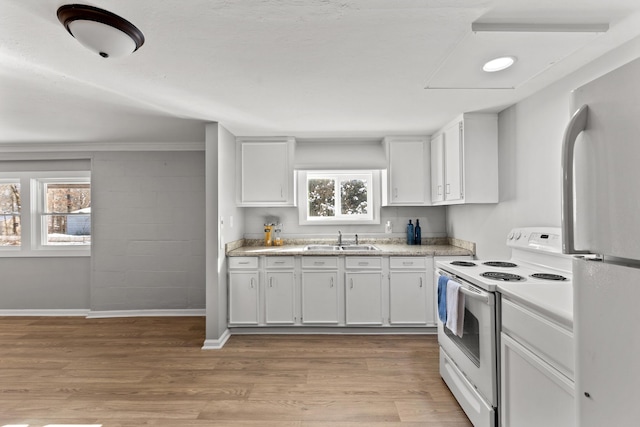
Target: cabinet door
364, 298
533, 392
406, 171
280, 298
266, 174
320, 297
243, 298
408, 298
453, 162
437, 169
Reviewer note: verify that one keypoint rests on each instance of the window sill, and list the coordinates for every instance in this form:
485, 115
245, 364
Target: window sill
44, 253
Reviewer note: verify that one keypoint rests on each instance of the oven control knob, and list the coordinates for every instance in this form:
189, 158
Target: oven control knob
518, 235
510, 237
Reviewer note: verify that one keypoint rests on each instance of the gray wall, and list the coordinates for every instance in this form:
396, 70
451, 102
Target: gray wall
44, 283
530, 138
148, 239
148, 235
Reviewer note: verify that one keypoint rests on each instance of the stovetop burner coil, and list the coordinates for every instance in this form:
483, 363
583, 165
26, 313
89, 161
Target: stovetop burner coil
505, 277
500, 264
549, 276
463, 263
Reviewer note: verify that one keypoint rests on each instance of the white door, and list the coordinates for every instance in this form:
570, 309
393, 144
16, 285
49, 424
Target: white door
453, 162
363, 298
437, 168
607, 343
407, 164
243, 298
265, 172
533, 393
280, 298
320, 297
408, 297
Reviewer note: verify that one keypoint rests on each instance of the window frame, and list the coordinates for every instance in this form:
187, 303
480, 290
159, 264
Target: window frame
33, 233
373, 197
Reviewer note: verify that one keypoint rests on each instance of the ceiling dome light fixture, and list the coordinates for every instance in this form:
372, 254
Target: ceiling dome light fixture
499, 64
101, 31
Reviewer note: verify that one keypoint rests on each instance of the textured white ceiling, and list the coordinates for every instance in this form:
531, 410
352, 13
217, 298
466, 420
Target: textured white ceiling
306, 68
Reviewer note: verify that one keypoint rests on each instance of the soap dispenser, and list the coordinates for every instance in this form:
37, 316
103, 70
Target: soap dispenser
410, 234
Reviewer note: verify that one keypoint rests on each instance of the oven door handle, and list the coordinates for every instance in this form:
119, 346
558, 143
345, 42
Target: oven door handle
478, 295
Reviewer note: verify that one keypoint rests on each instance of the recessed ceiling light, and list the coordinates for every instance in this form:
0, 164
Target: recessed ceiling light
499, 64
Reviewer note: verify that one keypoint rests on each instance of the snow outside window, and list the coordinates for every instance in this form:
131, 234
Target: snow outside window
45, 213
10, 206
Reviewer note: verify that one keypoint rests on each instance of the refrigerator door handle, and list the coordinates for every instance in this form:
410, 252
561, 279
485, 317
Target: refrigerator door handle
577, 124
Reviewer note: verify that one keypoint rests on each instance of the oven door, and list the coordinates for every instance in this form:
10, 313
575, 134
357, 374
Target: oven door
475, 352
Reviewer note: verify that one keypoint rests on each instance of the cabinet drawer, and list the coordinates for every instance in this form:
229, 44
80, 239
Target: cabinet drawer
363, 262
280, 262
408, 262
319, 262
243, 262
549, 341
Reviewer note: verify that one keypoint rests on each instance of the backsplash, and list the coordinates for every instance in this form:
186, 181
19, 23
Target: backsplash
432, 221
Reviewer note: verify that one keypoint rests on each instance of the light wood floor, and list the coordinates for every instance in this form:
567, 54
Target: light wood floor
152, 372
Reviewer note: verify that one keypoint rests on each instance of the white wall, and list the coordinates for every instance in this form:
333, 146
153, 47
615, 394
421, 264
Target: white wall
530, 137
221, 213
148, 217
432, 223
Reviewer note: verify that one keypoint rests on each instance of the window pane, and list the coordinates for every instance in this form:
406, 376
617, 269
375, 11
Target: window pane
69, 229
63, 199
10, 214
353, 196
68, 197
322, 197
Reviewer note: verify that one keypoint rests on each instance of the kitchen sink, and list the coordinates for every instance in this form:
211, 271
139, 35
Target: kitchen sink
328, 248
359, 248
332, 248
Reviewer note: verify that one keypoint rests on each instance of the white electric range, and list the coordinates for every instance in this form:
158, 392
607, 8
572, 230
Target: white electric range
537, 273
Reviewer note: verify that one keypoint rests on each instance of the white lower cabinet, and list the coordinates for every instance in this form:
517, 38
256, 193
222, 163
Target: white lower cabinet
535, 361
280, 298
295, 291
411, 291
243, 297
363, 290
320, 297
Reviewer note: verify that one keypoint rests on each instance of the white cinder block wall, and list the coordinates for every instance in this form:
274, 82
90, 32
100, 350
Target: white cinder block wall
148, 231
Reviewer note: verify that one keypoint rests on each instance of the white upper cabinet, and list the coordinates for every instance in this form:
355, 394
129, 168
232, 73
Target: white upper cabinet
265, 174
407, 180
464, 161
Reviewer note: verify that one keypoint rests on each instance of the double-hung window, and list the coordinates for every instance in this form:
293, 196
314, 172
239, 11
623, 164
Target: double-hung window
339, 197
45, 213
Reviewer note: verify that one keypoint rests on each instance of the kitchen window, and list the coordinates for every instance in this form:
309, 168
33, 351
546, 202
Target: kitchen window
339, 197
45, 213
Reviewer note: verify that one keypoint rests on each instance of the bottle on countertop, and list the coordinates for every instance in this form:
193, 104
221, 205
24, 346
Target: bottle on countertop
418, 233
410, 234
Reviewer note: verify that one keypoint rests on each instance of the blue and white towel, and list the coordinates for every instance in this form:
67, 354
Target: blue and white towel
455, 308
442, 298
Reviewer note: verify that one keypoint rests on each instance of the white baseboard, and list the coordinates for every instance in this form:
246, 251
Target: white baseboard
94, 314
218, 343
44, 312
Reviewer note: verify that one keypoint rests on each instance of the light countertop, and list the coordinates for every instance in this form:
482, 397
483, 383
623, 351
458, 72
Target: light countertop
385, 250
551, 299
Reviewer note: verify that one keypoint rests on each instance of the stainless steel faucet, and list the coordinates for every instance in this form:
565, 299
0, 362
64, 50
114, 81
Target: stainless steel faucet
339, 237
356, 239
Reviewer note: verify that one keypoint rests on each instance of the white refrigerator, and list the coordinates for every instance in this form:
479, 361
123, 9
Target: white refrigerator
601, 221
